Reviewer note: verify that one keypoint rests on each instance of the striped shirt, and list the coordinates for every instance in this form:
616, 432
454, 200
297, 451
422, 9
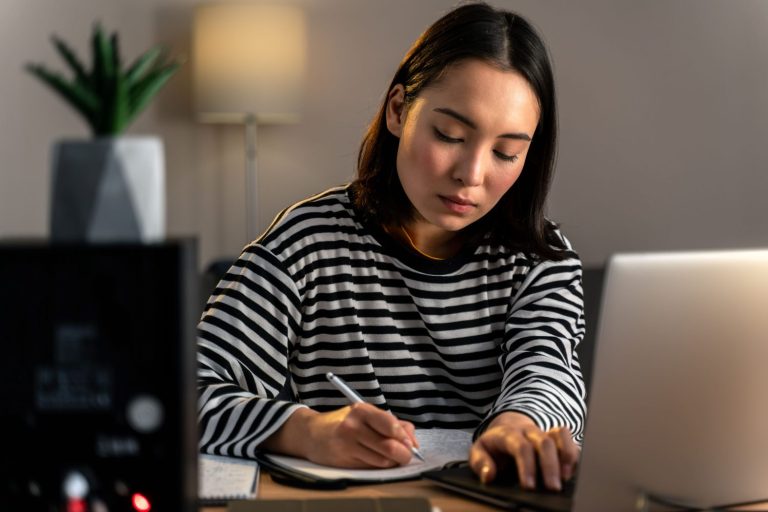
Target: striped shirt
447, 343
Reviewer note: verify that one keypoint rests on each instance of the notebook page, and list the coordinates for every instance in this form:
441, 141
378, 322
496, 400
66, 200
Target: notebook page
438, 446
227, 478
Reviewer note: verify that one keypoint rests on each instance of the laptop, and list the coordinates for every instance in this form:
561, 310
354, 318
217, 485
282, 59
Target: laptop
677, 410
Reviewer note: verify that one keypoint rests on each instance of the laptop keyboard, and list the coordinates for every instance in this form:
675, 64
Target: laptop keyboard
505, 491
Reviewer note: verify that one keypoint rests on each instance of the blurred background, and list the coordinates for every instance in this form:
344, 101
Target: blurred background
663, 116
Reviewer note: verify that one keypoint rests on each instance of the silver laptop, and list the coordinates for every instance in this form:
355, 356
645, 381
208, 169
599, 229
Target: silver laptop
678, 411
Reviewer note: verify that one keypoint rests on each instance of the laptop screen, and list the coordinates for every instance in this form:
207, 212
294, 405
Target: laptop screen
677, 412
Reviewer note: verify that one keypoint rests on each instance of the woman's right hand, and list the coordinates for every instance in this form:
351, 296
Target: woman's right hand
357, 436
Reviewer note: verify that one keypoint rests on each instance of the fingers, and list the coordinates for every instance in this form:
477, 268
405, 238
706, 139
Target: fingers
549, 460
499, 446
345, 438
525, 460
387, 425
386, 440
567, 449
382, 422
554, 453
482, 463
411, 431
557, 454
383, 451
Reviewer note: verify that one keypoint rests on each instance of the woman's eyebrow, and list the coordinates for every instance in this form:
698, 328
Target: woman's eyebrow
467, 121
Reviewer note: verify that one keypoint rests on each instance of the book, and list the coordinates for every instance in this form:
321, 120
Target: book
226, 478
441, 448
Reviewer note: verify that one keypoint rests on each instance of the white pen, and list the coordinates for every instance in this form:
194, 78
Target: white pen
353, 397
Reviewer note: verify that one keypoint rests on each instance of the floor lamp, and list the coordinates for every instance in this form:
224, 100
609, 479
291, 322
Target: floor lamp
248, 67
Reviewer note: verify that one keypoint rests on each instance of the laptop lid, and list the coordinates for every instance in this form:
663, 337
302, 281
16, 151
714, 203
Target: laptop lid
677, 409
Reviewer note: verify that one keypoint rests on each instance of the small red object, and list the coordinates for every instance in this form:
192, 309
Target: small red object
140, 502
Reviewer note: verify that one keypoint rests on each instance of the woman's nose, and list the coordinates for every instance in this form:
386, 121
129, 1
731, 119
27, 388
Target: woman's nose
469, 169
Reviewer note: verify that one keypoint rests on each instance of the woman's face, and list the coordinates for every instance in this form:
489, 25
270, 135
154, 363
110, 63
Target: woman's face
463, 143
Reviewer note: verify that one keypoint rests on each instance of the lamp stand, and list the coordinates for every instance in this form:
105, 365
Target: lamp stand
251, 180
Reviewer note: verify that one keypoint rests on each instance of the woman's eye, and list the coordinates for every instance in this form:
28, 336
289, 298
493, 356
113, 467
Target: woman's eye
505, 157
443, 137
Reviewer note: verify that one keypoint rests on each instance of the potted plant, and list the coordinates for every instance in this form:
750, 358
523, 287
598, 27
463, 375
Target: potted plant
112, 187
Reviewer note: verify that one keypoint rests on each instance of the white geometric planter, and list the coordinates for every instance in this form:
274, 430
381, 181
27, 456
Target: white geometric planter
109, 189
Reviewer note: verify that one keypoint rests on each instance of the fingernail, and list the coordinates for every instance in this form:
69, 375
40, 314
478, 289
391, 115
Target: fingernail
530, 482
567, 472
485, 474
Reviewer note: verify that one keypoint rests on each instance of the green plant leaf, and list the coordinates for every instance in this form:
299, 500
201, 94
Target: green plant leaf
113, 51
148, 87
97, 69
106, 96
119, 115
103, 60
78, 97
69, 56
142, 64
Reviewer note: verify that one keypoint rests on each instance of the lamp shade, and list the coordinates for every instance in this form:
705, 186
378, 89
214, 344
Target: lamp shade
248, 61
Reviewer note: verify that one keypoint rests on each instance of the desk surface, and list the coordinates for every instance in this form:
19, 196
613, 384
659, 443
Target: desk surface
447, 502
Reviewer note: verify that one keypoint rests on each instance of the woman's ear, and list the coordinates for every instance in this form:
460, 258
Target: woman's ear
396, 110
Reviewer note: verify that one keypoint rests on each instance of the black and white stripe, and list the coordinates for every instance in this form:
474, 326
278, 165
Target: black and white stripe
439, 343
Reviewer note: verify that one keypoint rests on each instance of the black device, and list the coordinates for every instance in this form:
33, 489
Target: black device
97, 392
505, 491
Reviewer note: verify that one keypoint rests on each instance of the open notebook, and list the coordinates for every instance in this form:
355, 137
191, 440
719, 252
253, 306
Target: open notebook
226, 478
440, 447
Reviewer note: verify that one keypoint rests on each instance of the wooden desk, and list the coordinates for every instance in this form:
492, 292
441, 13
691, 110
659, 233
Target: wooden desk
446, 501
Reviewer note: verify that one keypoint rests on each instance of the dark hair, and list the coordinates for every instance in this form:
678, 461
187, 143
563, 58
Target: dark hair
507, 41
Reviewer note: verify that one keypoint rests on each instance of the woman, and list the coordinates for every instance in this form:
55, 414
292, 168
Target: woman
433, 283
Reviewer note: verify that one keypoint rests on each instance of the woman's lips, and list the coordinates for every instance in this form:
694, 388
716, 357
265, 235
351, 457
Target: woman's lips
457, 204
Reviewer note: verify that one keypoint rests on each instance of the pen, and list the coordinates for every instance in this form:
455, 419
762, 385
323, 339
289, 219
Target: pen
353, 397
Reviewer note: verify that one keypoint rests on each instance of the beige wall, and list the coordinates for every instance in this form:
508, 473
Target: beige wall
664, 116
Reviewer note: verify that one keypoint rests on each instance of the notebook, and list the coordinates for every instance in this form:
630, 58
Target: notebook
226, 478
676, 416
440, 447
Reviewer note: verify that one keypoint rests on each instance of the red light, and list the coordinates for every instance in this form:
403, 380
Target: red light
140, 502
76, 505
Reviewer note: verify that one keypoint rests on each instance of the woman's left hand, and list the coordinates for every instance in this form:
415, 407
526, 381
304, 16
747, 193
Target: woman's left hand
514, 437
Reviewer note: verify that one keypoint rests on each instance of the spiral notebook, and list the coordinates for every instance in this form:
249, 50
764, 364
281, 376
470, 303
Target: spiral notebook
227, 478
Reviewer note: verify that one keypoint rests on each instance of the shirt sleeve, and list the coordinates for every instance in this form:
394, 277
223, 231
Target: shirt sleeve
245, 336
541, 373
